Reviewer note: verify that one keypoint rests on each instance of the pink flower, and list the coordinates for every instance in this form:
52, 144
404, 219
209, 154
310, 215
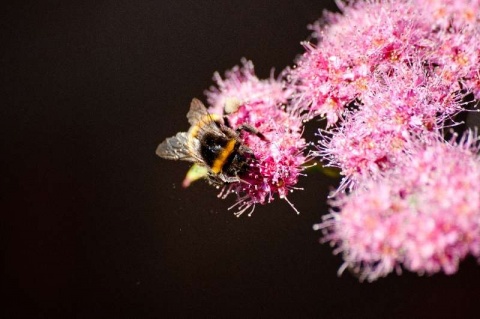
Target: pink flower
280, 155
389, 76
383, 72
422, 215
357, 51
396, 110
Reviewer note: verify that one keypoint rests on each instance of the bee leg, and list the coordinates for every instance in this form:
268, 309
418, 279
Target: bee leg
251, 129
229, 179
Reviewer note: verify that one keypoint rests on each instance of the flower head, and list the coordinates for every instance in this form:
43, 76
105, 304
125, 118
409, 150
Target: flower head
408, 105
423, 214
278, 157
372, 41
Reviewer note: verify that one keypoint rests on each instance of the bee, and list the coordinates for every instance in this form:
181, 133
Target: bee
211, 143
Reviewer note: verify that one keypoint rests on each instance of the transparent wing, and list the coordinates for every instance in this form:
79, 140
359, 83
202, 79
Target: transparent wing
202, 121
197, 112
176, 148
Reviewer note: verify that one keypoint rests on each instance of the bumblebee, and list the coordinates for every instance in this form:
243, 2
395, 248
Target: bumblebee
211, 143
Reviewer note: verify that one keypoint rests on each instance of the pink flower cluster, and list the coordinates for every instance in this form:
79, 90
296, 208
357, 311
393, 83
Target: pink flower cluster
280, 155
396, 107
371, 40
424, 214
385, 70
388, 77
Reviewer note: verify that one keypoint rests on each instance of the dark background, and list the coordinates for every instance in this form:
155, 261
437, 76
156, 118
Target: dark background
94, 225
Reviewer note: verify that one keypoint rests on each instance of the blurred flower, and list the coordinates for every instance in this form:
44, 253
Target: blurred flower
278, 158
389, 76
397, 110
372, 41
423, 214
382, 72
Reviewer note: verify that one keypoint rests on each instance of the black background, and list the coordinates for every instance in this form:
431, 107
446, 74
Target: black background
94, 225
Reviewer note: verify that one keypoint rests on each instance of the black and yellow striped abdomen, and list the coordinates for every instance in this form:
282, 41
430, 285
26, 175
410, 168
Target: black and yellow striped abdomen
217, 151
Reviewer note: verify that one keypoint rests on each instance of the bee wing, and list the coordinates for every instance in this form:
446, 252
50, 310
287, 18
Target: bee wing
202, 121
176, 148
197, 112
